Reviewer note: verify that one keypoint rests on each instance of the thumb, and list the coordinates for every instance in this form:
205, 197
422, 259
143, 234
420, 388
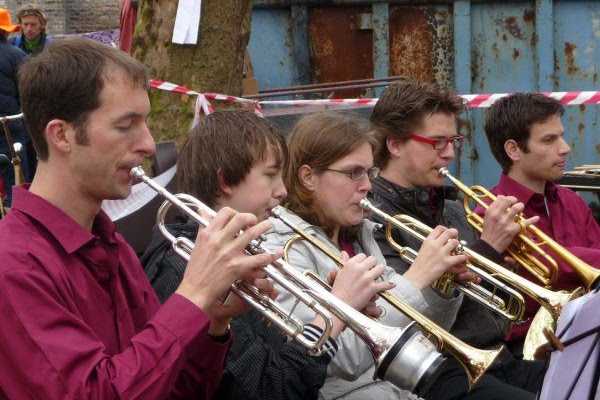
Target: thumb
345, 256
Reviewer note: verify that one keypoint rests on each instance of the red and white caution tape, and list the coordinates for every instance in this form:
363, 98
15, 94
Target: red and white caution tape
471, 100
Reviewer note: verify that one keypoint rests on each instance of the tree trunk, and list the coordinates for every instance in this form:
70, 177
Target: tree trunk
215, 64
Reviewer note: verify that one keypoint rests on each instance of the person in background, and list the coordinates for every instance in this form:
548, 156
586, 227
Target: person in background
10, 104
33, 37
234, 159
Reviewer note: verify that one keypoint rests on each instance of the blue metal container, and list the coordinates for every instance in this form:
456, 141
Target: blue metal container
471, 46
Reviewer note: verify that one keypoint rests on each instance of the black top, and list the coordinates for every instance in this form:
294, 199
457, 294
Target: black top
262, 363
475, 323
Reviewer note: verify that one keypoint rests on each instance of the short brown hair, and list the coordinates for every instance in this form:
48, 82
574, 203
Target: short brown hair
511, 117
402, 108
229, 142
65, 81
318, 140
31, 10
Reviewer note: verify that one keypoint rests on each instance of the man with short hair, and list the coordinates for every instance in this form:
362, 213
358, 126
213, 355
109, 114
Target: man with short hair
416, 129
78, 318
526, 136
33, 37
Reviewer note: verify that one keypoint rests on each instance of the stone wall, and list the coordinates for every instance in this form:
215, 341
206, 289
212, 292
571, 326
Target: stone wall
73, 16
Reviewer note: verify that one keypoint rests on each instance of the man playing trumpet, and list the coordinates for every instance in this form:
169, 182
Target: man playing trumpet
526, 136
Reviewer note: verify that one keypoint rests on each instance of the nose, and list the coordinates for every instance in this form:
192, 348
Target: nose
448, 152
564, 147
364, 184
146, 144
280, 192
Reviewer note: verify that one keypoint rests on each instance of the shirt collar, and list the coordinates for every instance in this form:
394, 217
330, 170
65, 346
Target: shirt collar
523, 193
65, 229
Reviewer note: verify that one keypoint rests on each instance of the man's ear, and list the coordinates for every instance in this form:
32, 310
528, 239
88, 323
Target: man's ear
60, 135
394, 146
307, 177
512, 149
224, 188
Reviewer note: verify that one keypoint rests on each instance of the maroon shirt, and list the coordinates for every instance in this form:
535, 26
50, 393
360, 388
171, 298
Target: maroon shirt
79, 319
566, 218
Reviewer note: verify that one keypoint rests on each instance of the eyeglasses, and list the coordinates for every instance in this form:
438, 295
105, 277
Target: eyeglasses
358, 173
439, 143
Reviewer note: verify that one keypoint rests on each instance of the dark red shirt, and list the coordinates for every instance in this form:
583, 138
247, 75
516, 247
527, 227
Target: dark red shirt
79, 319
566, 218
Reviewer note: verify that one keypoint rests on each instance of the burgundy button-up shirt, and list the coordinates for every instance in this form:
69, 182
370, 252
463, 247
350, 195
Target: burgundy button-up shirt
566, 218
79, 319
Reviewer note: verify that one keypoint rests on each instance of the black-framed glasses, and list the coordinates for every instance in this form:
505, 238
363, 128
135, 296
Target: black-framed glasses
356, 174
439, 143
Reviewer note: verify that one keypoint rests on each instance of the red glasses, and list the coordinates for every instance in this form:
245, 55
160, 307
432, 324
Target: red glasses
439, 143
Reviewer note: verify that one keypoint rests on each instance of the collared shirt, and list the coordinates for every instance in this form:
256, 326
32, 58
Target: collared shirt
567, 219
79, 319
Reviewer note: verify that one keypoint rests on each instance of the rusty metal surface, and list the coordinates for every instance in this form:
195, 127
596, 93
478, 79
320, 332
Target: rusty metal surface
421, 43
339, 49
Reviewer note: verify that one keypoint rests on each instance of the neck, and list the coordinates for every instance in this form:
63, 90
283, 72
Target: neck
335, 236
536, 185
72, 202
394, 174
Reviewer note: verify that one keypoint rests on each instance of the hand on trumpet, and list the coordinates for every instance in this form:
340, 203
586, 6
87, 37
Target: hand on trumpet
357, 284
436, 256
499, 223
218, 260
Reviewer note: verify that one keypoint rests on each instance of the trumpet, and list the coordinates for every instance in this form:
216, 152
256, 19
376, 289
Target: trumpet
403, 356
550, 300
474, 361
503, 299
530, 240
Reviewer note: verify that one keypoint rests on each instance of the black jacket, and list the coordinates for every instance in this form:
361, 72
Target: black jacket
10, 59
438, 206
262, 363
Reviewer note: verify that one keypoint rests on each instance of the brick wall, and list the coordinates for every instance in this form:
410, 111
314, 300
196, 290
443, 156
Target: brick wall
74, 16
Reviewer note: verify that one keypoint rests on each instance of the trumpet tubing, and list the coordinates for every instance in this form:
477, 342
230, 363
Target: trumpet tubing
511, 304
474, 361
530, 240
404, 357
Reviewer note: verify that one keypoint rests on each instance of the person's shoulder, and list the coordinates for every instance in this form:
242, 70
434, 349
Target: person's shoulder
21, 243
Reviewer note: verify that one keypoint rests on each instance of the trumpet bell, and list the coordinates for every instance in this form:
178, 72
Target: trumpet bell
412, 348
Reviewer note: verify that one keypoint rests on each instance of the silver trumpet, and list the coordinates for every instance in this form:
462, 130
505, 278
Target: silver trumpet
404, 357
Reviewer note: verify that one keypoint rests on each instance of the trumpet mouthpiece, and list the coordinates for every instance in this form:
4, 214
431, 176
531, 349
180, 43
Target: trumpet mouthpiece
137, 172
364, 203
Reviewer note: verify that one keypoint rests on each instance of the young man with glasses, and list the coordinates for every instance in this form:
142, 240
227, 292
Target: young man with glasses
416, 130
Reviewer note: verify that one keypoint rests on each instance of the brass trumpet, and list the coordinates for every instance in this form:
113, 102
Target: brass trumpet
531, 240
474, 361
503, 299
403, 356
550, 300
